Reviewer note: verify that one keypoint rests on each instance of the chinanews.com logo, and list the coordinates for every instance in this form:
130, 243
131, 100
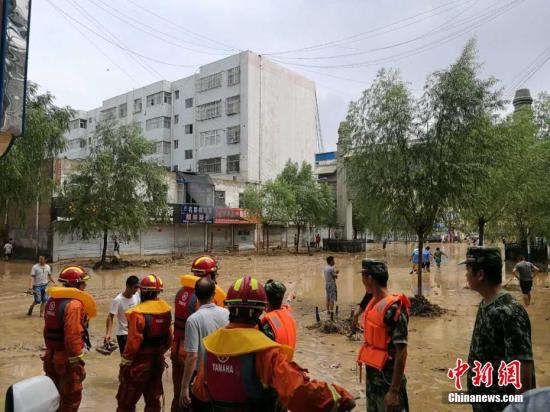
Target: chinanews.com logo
508, 374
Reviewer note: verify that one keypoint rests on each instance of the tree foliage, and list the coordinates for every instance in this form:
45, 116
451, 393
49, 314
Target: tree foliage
294, 196
416, 157
24, 174
115, 190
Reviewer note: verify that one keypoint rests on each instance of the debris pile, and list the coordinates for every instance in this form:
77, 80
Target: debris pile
340, 326
420, 306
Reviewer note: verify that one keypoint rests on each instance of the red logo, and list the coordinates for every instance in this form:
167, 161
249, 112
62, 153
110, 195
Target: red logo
456, 372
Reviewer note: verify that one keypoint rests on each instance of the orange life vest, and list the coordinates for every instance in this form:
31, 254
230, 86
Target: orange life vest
283, 325
374, 351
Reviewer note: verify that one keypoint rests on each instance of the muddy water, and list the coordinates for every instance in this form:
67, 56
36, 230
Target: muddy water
434, 344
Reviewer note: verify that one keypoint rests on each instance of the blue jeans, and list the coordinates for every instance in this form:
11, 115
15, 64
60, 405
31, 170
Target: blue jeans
39, 292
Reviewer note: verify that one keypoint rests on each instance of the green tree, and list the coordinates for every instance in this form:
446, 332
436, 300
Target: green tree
418, 156
313, 203
541, 112
528, 176
114, 190
271, 204
25, 175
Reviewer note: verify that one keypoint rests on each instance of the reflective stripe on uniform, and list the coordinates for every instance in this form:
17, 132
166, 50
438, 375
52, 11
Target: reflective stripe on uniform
76, 359
335, 397
124, 361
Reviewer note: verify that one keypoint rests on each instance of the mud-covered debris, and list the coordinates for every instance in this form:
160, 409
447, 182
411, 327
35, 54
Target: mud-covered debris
340, 326
420, 306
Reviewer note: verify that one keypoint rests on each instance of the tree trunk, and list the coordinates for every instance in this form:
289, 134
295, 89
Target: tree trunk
481, 231
267, 237
298, 240
420, 234
104, 252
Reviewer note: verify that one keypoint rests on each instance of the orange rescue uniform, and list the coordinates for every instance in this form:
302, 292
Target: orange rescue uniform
142, 365
374, 351
227, 361
186, 304
65, 335
283, 325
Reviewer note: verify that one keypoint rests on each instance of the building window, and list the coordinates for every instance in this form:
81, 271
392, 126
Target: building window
241, 200
159, 98
233, 105
213, 165
234, 76
107, 114
90, 120
188, 154
77, 124
162, 147
157, 123
138, 105
138, 125
219, 198
233, 134
177, 94
189, 128
188, 103
176, 144
82, 143
210, 138
176, 118
209, 110
209, 82
233, 163
123, 110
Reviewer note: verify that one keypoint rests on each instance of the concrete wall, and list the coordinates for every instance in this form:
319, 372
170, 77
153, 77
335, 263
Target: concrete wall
287, 128
161, 239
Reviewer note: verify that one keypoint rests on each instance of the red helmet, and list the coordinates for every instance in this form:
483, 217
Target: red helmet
151, 283
246, 292
73, 275
204, 265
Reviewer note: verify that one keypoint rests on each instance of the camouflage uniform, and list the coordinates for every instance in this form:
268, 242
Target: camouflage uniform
502, 331
379, 382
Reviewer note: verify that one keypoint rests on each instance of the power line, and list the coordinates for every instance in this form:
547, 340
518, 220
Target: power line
527, 72
106, 39
373, 32
488, 13
186, 30
408, 53
128, 20
101, 51
100, 26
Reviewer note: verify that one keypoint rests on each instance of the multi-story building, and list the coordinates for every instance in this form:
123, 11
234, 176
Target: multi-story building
238, 120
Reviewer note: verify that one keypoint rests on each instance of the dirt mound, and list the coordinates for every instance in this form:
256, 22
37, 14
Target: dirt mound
420, 306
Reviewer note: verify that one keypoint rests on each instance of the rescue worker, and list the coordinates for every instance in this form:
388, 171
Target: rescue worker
185, 305
278, 324
149, 337
66, 333
243, 370
384, 351
501, 334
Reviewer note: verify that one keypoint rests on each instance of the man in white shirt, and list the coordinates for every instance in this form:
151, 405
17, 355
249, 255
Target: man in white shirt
8, 249
41, 274
208, 319
124, 301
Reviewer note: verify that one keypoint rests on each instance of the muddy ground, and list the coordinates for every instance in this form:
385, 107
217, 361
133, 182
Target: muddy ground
434, 344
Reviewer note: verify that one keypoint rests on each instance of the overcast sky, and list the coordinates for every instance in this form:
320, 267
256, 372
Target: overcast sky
340, 44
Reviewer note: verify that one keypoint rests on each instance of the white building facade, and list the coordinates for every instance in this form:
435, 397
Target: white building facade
238, 120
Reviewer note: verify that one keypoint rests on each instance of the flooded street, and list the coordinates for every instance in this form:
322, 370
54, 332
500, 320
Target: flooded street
434, 344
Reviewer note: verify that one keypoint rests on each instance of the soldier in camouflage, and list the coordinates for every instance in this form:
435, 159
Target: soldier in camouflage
502, 330
386, 388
